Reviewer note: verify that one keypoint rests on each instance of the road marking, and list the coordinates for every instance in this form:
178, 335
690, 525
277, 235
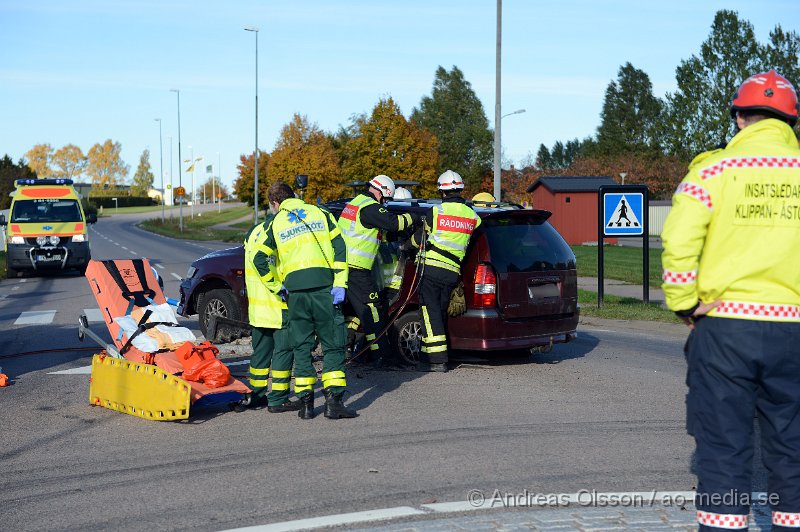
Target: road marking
160, 266
15, 287
94, 315
123, 247
23, 280
116, 243
175, 275
335, 520
134, 253
36, 317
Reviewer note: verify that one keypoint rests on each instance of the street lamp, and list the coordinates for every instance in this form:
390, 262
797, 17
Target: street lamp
161, 157
180, 179
193, 162
517, 112
255, 186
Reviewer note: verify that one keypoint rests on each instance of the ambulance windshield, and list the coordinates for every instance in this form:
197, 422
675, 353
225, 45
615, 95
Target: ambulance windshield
46, 210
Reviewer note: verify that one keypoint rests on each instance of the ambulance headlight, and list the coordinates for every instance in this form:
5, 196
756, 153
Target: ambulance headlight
41, 240
16, 240
53, 240
79, 238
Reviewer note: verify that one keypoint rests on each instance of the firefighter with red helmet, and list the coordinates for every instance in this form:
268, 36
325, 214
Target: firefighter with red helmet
452, 224
362, 222
731, 248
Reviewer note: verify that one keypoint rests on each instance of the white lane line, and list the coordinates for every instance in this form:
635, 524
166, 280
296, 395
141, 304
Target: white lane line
23, 280
87, 370
123, 247
175, 275
36, 317
134, 253
335, 520
160, 266
116, 243
15, 287
94, 315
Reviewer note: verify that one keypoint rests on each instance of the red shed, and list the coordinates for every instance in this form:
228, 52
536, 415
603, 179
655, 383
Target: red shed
573, 202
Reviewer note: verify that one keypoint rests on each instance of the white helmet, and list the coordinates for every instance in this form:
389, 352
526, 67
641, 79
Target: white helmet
450, 180
384, 184
401, 193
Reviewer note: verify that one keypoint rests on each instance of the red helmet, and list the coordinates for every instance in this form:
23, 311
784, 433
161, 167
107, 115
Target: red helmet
767, 91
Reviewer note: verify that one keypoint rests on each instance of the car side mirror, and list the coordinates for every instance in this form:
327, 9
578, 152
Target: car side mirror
3, 219
91, 218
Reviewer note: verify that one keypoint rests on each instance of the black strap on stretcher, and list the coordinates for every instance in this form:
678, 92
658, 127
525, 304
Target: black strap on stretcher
138, 298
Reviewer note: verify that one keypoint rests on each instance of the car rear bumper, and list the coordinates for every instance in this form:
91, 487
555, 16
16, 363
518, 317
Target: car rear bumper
482, 330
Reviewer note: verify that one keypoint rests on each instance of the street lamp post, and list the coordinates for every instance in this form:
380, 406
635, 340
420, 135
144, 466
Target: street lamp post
517, 112
219, 169
161, 157
255, 189
171, 189
180, 179
497, 113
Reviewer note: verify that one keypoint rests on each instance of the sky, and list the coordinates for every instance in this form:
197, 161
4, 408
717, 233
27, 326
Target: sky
83, 71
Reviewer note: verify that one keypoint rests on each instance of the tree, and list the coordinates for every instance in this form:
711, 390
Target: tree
543, 159
303, 148
245, 184
698, 117
39, 160
106, 168
387, 143
212, 187
143, 178
631, 116
9, 173
455, 115
69, 162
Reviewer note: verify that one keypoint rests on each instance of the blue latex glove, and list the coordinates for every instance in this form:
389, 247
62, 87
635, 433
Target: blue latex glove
284, 293
338, 294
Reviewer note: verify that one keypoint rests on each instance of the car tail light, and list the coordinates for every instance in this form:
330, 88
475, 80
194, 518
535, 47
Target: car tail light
485, 287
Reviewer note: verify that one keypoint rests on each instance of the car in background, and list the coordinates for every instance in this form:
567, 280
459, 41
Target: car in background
519, 277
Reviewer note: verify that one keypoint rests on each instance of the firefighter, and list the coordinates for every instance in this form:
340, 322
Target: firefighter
268, 317
731, 247
312, 261
452, 223
362, 221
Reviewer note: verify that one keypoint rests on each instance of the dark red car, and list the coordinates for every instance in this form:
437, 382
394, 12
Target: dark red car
519, 277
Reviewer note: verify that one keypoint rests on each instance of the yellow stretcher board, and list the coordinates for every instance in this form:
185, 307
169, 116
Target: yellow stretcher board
138, 389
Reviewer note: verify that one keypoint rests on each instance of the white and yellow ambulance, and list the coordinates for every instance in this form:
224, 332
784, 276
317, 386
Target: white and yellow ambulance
47, 228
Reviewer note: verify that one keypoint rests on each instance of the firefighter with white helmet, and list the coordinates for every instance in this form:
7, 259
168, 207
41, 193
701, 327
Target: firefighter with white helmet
731, 248
401, 193
452, 224
362, 222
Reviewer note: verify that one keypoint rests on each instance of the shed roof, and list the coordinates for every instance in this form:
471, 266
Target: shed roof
571, 183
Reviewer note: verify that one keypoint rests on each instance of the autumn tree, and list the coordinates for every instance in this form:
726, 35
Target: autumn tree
387, 143
244, 186
39, 159
213, 187
632, 115
69, 162
455, 115
143, 178
106, 167
9, 173
303, 148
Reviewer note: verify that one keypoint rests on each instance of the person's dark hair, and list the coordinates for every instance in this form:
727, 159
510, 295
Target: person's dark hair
754, 115
280, 191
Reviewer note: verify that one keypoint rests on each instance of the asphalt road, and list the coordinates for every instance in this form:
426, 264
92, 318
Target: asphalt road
604, 412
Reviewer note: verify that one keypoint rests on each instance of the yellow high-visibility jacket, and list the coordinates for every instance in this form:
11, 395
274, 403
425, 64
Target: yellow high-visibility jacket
733, 233
265, 306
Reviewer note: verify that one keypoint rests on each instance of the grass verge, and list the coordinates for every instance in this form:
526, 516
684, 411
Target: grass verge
200, 227
622, 263
623, 308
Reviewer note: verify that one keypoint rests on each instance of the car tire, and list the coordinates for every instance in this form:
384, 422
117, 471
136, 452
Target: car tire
406, 336
11, 273
218, 302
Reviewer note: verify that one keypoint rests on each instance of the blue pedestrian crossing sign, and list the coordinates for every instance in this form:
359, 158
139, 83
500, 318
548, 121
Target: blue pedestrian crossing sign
623, 214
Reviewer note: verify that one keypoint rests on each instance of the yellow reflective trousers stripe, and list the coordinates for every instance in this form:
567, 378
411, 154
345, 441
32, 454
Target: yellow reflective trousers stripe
281, 374
333, 378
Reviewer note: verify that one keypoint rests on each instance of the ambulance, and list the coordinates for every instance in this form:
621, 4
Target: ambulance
47, 228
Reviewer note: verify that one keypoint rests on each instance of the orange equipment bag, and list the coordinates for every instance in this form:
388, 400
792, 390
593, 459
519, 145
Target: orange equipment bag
200, 364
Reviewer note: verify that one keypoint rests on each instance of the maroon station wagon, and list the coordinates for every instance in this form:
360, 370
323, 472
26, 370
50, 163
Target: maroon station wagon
519, 277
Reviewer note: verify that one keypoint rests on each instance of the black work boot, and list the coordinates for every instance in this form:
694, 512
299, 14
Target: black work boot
286, 406
306, 406
334, 407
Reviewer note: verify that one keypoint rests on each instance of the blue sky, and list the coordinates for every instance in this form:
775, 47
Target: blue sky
83, 71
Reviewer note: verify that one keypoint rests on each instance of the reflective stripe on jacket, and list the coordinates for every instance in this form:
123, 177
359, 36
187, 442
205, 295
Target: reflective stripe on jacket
733, 233
452, 227
362, 242
264, 305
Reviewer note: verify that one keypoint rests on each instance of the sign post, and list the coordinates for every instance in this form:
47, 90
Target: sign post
180, 192
622, 212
